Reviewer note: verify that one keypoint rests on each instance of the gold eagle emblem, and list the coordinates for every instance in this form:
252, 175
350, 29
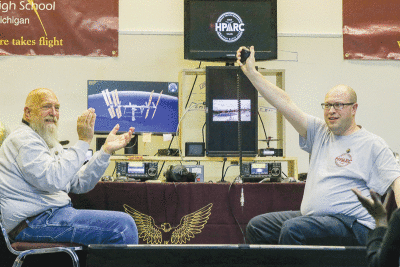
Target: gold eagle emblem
189, 225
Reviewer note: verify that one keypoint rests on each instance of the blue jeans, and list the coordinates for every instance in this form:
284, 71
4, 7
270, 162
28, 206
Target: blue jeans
67, 224
291, 228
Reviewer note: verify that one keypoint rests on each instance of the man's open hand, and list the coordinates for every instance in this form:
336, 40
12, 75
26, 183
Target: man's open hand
85, 125
115, 142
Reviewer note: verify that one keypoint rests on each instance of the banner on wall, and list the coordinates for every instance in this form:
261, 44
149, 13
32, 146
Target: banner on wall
371, 29
59, 27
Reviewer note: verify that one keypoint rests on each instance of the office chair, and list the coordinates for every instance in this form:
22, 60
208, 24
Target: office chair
23, 249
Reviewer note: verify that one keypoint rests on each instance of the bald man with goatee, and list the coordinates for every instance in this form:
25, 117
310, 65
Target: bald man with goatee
36, 175
343, 157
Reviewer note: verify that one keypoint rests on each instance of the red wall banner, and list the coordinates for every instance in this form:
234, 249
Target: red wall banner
59, 27
371, 29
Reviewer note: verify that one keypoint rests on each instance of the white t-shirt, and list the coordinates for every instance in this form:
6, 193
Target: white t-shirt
339, 163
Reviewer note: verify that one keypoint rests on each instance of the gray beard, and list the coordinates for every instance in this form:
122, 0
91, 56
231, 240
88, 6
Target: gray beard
49, 133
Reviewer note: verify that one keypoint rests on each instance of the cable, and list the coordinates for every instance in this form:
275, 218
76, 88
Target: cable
202, 131
228, 169
191, 91
239, 121
136, 140
158, 175
223, 167
230, 209
240, 151
115, 168
170, 143
262, 123
186, 110
177, 128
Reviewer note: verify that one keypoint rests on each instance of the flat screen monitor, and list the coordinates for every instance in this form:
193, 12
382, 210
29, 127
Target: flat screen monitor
222, 119
215, 29
150, 107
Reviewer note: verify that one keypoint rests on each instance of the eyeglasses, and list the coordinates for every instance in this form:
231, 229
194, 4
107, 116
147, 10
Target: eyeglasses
336, 106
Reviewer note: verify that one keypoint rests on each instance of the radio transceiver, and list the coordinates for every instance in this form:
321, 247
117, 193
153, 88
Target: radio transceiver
137, 170
255, 172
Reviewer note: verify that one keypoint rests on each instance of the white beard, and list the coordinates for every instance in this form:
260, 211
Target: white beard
48, 132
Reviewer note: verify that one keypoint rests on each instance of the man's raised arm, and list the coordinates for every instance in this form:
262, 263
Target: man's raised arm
273, 94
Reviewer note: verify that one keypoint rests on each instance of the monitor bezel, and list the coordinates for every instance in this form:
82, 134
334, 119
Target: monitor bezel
260, 54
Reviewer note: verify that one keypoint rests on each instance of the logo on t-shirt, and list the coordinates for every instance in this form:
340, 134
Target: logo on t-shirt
343, 160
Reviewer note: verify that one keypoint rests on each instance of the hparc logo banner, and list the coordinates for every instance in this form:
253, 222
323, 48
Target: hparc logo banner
59, 27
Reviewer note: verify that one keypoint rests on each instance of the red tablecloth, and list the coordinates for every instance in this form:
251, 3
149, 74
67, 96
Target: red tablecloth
214, 210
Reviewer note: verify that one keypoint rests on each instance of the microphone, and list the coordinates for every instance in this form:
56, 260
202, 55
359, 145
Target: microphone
242, 198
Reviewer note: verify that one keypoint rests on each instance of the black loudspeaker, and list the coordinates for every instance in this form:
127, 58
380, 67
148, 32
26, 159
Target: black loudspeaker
224, 86
275, 169
193, 149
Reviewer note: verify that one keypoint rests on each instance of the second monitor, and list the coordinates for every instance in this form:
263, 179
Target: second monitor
222, 85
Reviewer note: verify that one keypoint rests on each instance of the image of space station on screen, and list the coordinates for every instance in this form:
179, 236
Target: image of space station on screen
150, 107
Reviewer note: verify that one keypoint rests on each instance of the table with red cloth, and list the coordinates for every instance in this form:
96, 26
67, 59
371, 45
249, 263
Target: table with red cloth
191, 213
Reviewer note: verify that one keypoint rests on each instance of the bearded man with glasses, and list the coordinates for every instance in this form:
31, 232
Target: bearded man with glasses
343, 156
36, 175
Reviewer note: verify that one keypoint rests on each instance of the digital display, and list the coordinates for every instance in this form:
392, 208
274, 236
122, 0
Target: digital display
136, 168
259, 168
